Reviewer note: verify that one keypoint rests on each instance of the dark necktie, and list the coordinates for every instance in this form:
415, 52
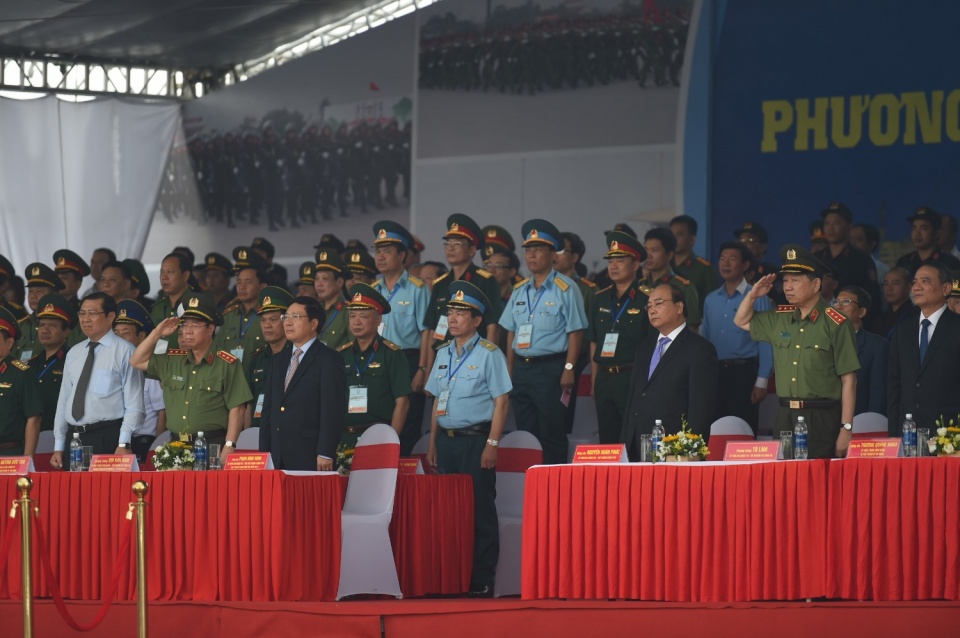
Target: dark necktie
293, 368
657, 354
80, 396
924, 339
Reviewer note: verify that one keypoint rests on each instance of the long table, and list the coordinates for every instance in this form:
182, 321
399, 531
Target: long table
237, 536
714, 532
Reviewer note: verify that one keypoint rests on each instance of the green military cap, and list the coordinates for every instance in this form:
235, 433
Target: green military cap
274, 299
245, 257
625, 228
330, 241
363, 296
927, 214
56, 307
955, 288
261, 243
355, 244
499, 238
132, 312
329, 260
459, 225
388, 232
6, 269
68, 261
838, 208
754, 229
42, 275
218, 262
138, 275
466, 296
620, 244
8, 323
797, 260
541, 232
200, 306
360, 261
307, 274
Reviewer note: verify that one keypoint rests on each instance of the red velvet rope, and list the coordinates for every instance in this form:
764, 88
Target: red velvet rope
122, 558
5, 544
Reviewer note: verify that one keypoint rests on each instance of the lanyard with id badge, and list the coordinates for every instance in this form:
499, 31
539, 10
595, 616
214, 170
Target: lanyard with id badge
357, 395
525, 332
242, 331
610, 339
441, 409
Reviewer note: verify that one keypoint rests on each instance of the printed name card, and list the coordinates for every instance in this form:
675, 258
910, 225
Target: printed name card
114, 463
874, 449
249, 461
16, 465
600, 454
410, 465
751, 451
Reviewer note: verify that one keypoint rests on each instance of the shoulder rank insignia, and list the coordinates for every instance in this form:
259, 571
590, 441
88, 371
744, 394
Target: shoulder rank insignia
416, 281
486, 274
4, 385
345, 346
645, 289
589, 283
488, 345
603, 290
703, 261
441, 278
226, 356
837, 316
561, 284
785, 308
683, 280
25, 319
520, 283
176, 352
20, 365
390, 344
374, 364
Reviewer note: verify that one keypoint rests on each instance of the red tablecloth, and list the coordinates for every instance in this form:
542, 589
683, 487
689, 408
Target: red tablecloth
241, 536
675, 532
893, 529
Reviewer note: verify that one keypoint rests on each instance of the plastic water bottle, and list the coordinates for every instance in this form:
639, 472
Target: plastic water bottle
800, 439
76, 453
657, 435
199, 452
909, 436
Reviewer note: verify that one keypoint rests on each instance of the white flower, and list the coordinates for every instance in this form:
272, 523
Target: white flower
948, 448
932, 446
941, 431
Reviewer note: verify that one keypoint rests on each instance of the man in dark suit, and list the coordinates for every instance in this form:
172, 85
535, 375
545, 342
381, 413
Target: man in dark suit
872, 352
674, 375
923, 371
305, 404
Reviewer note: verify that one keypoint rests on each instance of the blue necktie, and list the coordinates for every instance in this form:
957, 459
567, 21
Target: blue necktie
657, 354
924, 339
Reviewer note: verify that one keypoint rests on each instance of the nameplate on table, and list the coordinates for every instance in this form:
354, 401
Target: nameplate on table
600, 454
114, 463
249, 461
751, 451
411, 465
427, 468
874, 449
16, 465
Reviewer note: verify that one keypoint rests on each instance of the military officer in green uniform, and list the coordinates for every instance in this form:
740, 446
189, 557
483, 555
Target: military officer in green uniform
686, 263
660, 245
566, 262
273, 303
814, 353
6, 274
460, 243
241, 332
56, 318
618, 323
175, 273
306, 280
361, 266
71, 268
217, 273
500, 258
41, 281
378, 379
203, 390
328, 283
20, 405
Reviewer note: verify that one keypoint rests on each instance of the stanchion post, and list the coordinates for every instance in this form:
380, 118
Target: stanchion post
140, 488
24, 485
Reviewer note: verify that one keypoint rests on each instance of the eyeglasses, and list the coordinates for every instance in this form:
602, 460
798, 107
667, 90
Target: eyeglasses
844, 302
190, 326
296, 316
454, 243
89, 313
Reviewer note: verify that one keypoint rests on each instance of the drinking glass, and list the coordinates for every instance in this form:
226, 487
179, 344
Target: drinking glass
786, 446
923, 435
87, 456
646, 448
213, 456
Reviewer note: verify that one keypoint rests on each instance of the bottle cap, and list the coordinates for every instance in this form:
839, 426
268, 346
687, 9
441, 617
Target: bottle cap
199, 433
658, 422
909, 416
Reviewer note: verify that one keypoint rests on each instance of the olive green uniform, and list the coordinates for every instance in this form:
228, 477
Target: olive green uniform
482, 279
387, 378
199, 396
255, 369
29, 344
240, 333
164, 309
335, 331
49, 375
626, 317
19, 401
809, 357
691, 298
700, 273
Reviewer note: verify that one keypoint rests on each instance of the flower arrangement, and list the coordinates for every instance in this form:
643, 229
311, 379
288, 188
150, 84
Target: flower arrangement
175, 455
344, 459
947, 440
682, 446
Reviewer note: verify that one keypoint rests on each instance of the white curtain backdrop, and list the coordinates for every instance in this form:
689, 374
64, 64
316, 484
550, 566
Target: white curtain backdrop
80, 175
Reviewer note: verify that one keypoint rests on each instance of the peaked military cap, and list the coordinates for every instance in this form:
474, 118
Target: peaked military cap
274, 299
466, 296
8, 323
459, 225
329, 240
69, 261
925, 213
56, 307
264, 245
540, 232
620, 244
6, 268
360, 261
364, 296
138, 275
307, 276
130, 311
838, 208
387, 232
42, 275
245, 257
329, 260
797, 260
216, 261
755, 229
200, 306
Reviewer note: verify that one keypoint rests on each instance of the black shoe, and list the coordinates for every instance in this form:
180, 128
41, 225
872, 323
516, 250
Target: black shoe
485, 591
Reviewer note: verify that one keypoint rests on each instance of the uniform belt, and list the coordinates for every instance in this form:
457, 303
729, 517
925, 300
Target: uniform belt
480, 429
9, 445
542, 359
627, 367
729, 363
93, 427
358, 429
799, 404
207, 435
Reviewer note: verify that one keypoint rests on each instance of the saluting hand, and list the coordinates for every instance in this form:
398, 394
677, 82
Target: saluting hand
168, 326
763, 287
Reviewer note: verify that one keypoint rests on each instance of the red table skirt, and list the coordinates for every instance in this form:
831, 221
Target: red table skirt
236, 536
